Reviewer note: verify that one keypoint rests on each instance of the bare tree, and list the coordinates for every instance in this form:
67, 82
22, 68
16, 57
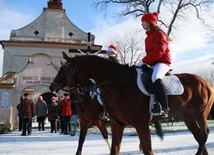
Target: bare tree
173, 9
207, 74
130, 47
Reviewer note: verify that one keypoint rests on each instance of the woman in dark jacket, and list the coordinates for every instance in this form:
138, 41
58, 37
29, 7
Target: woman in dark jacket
53, 114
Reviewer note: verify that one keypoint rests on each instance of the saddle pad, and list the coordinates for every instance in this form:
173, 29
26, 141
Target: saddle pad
172, 84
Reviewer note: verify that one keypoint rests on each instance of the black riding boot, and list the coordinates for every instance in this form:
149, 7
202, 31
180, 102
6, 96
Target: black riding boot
161, 97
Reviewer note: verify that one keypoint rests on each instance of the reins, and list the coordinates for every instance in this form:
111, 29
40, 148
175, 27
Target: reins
82, 89
94, 89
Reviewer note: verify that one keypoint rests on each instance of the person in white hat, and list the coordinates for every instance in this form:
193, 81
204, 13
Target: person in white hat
112, 53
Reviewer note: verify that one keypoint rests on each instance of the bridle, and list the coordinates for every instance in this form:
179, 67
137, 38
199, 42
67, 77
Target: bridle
82, 90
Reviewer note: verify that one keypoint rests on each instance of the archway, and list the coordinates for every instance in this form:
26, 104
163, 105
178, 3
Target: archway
47, 97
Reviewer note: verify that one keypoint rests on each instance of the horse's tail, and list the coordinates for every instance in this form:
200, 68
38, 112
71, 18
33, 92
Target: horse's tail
159, 129
212, 109
212, 112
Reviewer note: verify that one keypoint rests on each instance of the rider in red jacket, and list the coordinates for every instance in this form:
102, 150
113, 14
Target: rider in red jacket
158, 58
157, 49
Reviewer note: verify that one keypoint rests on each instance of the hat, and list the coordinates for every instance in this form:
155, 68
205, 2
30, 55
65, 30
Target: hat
112, 49
26, 94
65, 94
150, 18
53, 98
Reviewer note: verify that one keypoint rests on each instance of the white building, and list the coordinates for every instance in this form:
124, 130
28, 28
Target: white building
32, 57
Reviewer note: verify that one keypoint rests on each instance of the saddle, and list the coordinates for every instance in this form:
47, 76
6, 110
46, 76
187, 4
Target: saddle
171, 82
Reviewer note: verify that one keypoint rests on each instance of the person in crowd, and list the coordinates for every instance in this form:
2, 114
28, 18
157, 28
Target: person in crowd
74, 118
66, 112
61, 125
111, 51
27, 110
53, 114
41, 112
57, 99
20, 118
158, 57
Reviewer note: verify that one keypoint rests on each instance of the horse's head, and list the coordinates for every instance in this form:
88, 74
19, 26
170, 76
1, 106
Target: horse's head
67, 78
59, 81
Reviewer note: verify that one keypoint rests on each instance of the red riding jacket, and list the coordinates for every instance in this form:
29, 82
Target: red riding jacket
157, 49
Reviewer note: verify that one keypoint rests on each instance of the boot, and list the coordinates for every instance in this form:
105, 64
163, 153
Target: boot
161, 107
55, 126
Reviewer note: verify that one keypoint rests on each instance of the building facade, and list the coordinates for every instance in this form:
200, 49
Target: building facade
32, 57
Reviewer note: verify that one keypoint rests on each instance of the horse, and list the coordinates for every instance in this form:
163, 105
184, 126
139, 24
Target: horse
87, 111
127, 105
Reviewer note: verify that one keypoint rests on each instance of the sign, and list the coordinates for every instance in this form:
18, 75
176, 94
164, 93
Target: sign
39, 71
37, 79
5, 99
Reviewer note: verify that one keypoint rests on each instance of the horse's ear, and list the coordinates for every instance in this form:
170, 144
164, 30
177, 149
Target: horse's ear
62, 63
65, 56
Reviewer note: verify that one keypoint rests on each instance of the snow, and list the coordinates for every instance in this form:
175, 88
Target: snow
176, 142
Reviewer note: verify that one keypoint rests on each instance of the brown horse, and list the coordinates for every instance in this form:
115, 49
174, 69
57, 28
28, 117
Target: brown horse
88, 111
127, 105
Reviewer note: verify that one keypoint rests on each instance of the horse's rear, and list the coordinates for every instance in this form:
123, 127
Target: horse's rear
196, 103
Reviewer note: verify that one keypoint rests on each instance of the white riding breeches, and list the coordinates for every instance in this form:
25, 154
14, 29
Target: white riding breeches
159, 70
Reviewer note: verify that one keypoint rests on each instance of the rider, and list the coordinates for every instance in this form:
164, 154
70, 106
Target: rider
158, 58
111, 51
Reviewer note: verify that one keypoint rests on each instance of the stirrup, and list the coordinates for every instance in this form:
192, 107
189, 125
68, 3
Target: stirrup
157, 110
161, 113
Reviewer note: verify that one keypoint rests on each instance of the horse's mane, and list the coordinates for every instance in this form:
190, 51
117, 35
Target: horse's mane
102, 59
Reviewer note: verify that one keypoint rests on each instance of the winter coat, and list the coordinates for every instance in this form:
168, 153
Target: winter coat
157, 49
113, 59
27, 108
65, 108
52, 111
41, 109
18, 108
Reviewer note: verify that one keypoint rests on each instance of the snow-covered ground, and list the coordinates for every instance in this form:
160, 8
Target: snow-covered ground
44, 142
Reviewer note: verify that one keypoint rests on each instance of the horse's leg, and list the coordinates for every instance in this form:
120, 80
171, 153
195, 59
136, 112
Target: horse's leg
83, 131
117, 133
204, 132
102, 127
198, 127
143, 132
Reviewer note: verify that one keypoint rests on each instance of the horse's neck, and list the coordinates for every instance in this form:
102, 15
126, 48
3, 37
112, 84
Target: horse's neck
108, 76
102, 70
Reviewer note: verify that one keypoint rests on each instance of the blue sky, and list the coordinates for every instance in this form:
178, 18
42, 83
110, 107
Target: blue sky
189, 47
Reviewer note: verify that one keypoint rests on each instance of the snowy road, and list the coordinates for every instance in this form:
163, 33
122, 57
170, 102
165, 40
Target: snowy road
44, 142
